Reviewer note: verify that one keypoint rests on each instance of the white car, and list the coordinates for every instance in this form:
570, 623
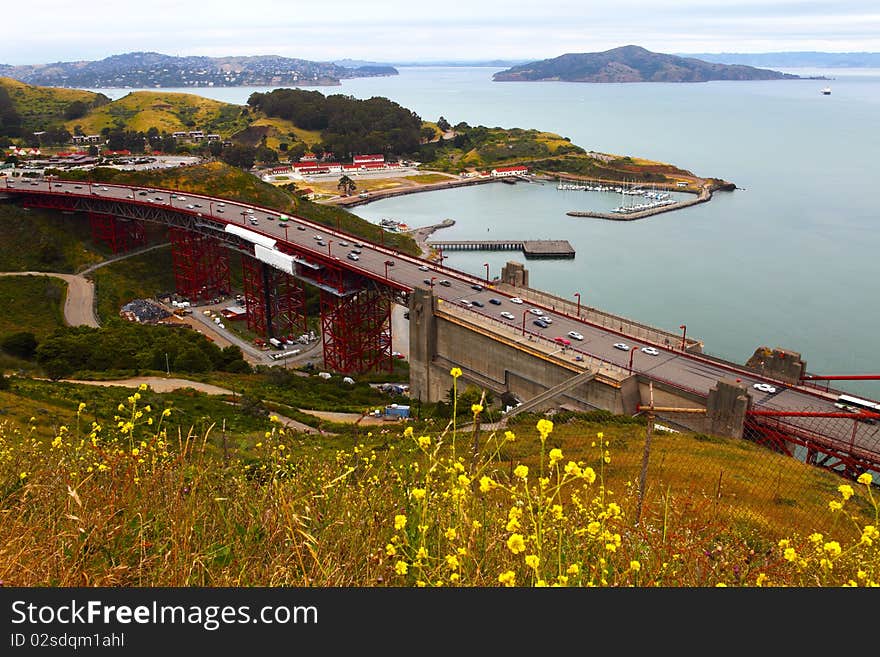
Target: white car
765, 387
423, 268
651, 351
507, 315
575, 335
622, 346
536, 311
516, 300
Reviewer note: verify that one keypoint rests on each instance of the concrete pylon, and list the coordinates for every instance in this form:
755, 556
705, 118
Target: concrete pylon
422, 342
726, 408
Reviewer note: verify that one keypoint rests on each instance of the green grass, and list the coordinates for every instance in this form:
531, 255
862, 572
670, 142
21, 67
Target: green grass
41, 240
138, 277
42, 107
31, 303
165, 111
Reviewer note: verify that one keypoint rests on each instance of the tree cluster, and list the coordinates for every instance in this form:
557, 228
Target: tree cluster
348, 126
127, 346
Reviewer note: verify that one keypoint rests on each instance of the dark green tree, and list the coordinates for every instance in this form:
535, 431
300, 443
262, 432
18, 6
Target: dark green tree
346, 185
21, 345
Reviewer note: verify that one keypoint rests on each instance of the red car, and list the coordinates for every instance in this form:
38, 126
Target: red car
562, 341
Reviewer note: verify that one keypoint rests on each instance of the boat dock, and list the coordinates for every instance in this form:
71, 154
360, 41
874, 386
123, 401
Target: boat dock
530, 248
629, 215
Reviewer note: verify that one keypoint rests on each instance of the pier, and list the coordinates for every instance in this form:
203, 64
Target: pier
529, 248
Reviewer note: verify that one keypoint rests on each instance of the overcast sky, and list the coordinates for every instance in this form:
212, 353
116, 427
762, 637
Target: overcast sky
404, 30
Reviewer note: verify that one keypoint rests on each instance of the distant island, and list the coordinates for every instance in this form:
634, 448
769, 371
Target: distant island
632, 64
155, 70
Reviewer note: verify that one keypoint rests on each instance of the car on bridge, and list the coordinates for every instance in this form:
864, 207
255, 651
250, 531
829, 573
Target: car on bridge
651, 351
424, 268
353, 256
477, 287
541, 323
445, 283
478, 304
575, 335
765, 387
516, 300
563, 341
495, 302
536, 311
622, 346
507, 315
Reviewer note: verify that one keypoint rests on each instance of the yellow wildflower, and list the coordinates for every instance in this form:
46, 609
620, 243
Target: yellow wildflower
834, 505
455, 372
390, 550
418, 493
408, 432
401, 567
555, 456
790, 554
846, 491
516, 543
399, 522
81, 407
476, 409
545, 428
833, 548
521, 471
486, 484
507, 578
532, 561
424, 442
635, 566
573, 569
865, 478
450, 534
452, 561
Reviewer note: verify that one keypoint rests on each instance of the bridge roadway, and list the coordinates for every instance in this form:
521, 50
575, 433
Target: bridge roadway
690, 372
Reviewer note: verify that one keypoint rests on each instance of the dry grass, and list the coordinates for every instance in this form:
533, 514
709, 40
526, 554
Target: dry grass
128, 504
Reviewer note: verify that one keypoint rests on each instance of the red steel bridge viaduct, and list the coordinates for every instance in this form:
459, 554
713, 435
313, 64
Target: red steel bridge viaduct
497, 351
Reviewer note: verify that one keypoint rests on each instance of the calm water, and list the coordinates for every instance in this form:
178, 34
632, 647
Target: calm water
788, 260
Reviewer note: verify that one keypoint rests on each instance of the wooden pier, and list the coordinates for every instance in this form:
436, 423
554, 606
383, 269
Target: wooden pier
530, 248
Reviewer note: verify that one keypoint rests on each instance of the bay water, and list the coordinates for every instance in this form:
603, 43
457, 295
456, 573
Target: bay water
789, 259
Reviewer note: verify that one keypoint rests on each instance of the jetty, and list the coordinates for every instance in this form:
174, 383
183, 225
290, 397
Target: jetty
529, 248
704, 195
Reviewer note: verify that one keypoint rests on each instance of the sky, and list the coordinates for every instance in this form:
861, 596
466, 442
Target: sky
406, 31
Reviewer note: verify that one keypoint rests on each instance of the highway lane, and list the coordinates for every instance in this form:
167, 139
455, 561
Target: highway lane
691, 372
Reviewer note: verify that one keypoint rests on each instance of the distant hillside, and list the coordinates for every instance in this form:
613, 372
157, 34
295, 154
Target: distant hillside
796, 59
632, 64
151, 69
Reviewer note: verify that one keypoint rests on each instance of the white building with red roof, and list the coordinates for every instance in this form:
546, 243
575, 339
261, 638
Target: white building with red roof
501, 172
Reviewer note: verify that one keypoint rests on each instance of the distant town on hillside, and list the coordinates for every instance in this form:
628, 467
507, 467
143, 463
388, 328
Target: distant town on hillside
155, 70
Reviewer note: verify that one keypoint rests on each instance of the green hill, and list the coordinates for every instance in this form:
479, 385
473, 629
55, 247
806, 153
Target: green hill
40, 108
167, 112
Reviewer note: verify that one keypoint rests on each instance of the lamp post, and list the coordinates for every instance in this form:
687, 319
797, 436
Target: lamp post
440, 251
388, 262
486, 265
433, 278
631, 352
285, 233
578, 295
329, 242
525, 312
684, 330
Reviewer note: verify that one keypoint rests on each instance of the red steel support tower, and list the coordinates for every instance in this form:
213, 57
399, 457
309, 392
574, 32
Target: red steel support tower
275, 300
357, 331
201, 264
119, 235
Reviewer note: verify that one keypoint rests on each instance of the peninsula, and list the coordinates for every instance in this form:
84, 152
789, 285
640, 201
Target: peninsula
632, 64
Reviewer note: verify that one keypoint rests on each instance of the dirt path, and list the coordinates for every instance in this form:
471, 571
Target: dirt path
79, 300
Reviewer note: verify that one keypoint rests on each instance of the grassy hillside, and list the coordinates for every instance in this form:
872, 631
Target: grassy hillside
279, 130
41, 107
31, 303
40, 240
157, 491
167, 112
